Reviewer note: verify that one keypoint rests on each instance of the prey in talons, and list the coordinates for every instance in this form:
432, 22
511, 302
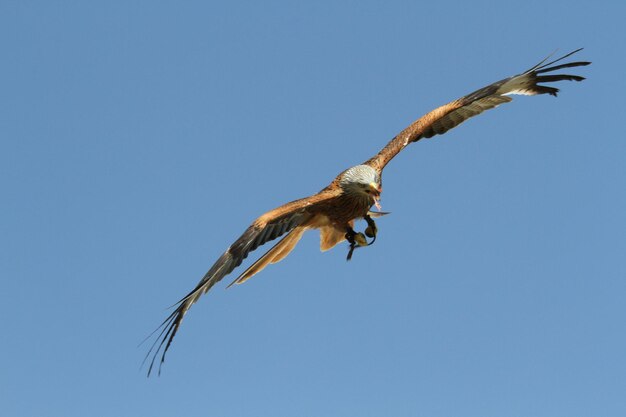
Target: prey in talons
357, 240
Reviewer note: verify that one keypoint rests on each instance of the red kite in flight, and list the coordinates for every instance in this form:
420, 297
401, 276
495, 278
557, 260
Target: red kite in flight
352, 193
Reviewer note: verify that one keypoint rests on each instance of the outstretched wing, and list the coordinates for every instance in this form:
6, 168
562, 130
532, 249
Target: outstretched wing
268, 227
450, 115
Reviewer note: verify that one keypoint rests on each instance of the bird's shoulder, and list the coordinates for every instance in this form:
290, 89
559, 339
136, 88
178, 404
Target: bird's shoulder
307, 206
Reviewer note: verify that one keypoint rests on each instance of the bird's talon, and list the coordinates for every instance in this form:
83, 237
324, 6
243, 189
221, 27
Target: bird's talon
358, 240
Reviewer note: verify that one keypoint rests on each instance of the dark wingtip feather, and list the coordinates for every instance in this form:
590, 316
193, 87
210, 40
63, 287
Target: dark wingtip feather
545, 67
168, 328
568, 65
232, 258
558, 77
543, 89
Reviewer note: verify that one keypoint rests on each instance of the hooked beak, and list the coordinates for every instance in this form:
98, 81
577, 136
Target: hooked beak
375, 193
377, 203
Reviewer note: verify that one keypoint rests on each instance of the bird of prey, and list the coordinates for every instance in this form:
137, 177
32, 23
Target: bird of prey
351, 195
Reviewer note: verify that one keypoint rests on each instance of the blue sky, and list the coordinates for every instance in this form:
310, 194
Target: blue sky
139, 139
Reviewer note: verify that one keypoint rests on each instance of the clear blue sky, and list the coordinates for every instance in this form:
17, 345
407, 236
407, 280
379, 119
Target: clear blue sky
139, 139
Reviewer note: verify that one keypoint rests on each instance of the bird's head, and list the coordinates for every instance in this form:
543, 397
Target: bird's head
362, 181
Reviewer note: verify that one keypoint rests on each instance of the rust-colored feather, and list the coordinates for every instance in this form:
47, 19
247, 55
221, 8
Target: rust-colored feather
450, 115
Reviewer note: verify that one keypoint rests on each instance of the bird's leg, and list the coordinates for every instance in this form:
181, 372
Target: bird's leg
350, 234
355, 239
371, 230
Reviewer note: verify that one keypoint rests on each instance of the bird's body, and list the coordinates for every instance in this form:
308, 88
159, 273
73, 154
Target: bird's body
351, 195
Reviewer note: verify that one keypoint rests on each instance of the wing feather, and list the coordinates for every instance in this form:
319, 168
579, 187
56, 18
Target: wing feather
450, 115
264, 229
277, 253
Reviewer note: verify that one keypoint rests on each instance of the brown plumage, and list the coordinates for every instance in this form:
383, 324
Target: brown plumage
351, 194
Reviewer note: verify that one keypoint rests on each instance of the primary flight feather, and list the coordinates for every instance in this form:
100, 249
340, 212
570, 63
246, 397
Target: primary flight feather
352, 193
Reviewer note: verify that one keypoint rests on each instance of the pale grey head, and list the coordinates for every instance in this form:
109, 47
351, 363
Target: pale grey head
362, 180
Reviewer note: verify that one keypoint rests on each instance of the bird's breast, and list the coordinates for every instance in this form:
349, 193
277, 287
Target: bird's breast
347, 207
